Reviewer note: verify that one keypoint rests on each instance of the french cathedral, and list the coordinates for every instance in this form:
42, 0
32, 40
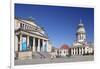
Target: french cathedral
81, 46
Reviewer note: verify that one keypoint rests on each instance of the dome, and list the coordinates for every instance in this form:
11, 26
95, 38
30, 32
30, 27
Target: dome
64, 46
81, 30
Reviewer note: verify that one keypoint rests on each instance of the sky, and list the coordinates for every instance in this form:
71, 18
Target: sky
59, 22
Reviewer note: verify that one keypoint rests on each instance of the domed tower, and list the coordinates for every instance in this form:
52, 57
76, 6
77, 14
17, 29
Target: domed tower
81, 33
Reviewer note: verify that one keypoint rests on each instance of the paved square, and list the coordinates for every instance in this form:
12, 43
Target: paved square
55, 60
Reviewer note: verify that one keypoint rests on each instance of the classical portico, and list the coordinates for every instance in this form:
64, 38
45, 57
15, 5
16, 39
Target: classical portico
32, 43
30, 37
78, 51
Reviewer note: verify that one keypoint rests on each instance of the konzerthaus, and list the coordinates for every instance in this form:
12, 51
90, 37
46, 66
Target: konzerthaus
29, 39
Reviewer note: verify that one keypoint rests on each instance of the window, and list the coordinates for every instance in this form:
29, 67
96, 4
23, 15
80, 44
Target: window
31, 28
60, 52
21, 25
25, 26
64, 52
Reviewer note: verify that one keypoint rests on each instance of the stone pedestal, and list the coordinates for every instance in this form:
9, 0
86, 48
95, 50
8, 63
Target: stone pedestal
25, 55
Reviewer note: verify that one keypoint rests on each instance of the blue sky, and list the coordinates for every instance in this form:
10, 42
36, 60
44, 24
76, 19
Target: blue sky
59, 22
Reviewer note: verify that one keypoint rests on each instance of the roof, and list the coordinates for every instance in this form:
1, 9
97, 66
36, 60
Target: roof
81, 28
64, 46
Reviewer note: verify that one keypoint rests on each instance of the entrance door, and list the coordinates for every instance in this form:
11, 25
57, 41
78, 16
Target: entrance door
24, 45
31, 42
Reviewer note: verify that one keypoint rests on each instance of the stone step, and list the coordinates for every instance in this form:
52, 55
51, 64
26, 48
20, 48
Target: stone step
35, 55
46, 54
41, 55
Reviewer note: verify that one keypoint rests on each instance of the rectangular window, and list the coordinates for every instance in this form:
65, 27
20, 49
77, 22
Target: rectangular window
23, 26
20, 25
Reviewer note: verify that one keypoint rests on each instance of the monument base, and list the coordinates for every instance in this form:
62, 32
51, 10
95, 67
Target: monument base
25, 55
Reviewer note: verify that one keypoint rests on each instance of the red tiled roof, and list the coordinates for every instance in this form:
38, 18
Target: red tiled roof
64, 46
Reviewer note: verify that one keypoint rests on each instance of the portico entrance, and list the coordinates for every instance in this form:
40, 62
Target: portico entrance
30, 43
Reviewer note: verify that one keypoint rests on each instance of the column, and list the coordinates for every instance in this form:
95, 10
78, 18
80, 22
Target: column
72, 51
34, 44
43, 45
86, 50
20, 42
82, 51
28, 47
76, 51
78, 37
38, 45
47, 49
79, 51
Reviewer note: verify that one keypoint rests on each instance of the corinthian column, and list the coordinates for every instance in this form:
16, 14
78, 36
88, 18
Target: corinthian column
27, 41
20, 42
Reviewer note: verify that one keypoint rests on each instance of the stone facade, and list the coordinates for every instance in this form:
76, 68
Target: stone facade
81, 45
29, 37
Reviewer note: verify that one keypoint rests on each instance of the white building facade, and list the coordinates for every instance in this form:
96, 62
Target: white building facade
81, 46
61, 52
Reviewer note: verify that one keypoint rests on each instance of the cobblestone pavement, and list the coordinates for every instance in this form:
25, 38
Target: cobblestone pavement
55, 60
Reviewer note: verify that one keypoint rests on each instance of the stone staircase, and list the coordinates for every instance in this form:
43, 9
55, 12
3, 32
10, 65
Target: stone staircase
46, 54
39, 55
35, 55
